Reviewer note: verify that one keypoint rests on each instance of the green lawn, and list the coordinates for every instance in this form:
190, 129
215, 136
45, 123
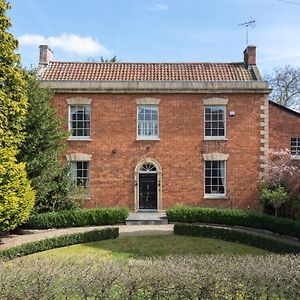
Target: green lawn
149, 246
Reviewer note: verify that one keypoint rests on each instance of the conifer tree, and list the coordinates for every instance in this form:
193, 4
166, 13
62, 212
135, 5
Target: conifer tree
16, 195
43, 149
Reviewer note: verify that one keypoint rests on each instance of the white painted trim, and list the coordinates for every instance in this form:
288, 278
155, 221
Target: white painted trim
79, 157
215, 101
146, 137
215, 156
159, 182
147, 101
216, 196
79, 138
295, 157
79, 101
152, 138
215, 138
225, 125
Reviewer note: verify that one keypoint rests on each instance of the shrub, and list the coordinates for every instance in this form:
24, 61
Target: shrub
16, 194
78, 218
234, 235
276, 196
43, 149
61, 241
234, 217
202, 277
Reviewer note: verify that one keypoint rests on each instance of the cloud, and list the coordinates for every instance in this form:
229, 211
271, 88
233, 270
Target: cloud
71, 43
158, 7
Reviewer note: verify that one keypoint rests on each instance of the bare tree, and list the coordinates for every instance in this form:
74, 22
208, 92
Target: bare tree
285, 82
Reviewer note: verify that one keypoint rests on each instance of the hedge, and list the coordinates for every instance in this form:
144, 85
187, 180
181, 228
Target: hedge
234, 217
235, 235
77, 218
61, 241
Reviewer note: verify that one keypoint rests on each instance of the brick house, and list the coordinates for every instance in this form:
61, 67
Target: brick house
154, 135
284, 129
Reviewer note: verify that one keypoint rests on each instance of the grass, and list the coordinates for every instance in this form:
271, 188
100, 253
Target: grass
154, 246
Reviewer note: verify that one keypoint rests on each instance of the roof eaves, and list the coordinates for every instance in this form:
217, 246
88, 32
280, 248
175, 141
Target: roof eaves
291, 111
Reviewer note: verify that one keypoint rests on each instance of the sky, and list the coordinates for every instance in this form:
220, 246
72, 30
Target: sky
158, 31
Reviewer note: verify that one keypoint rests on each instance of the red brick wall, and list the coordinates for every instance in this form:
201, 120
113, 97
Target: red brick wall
283, 126
179, 150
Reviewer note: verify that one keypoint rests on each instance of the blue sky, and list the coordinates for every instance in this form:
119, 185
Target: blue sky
158, 31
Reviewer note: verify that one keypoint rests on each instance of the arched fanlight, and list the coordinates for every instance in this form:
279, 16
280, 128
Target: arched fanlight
148, 168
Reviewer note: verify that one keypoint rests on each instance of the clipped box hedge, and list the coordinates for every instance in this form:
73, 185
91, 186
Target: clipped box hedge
77, 218
234, 217
235, 235
61, 241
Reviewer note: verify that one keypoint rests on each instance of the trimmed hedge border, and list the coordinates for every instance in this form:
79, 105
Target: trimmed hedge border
60, 241
234, 217
234, 235
77, 218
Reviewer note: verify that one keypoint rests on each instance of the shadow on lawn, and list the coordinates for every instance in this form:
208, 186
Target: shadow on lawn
153, 246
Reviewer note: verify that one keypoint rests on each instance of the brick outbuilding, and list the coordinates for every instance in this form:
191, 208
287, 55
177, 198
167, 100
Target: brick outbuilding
154, 135
284, 129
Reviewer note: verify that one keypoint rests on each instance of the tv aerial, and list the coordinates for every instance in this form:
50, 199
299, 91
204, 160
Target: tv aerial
248, 24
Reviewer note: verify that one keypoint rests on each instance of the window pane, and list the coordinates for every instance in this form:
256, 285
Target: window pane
147, 125
215, 116
295, 145
80, 115
207, 132
80, 120
148, 116
208, 189
215, 177
154, 115
80, 173
215, 132
214, 119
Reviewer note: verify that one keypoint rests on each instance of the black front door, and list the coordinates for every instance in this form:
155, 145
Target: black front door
148, 191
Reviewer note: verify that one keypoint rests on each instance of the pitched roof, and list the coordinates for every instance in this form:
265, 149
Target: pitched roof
291, 111
91, 71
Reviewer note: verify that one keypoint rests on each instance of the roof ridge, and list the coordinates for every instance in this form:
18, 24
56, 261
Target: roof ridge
147, 63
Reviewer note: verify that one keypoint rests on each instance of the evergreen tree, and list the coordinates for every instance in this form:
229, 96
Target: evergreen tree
43, 149
16, 195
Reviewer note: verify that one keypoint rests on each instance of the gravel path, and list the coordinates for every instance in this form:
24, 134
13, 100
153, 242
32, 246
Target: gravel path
36, 235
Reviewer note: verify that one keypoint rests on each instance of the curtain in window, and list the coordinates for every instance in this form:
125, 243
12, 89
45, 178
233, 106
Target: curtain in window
222, 173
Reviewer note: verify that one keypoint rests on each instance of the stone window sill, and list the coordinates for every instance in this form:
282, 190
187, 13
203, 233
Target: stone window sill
295, 157
147, 139
215, 196
215, 139
78, 139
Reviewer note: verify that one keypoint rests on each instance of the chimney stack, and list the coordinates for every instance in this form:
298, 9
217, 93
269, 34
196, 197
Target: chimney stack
46, 55
250, 56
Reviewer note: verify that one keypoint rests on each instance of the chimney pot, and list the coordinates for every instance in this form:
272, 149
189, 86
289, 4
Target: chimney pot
46, 55
250, 56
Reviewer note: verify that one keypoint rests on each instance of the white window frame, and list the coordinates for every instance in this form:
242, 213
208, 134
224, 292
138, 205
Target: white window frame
74, 178
81, 138
295, 148
147, 137
214, 138
211, 195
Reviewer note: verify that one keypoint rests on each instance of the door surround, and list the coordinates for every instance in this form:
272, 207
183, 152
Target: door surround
137, 182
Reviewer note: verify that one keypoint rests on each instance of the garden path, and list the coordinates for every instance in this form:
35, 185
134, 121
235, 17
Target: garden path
37, 235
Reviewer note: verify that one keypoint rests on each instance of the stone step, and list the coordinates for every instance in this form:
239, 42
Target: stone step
147, 218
